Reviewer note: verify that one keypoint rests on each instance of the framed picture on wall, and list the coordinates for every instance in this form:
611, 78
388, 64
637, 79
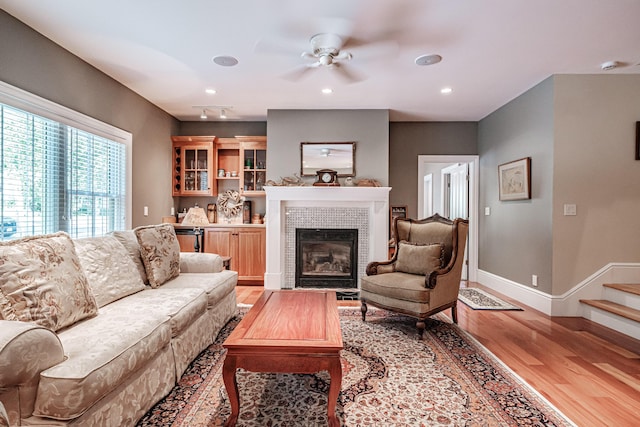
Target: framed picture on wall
514, 180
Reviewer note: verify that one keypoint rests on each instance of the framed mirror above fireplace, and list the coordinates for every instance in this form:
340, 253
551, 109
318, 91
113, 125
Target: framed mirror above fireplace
338, 156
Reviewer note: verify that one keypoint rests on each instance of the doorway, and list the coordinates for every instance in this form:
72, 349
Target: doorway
448, 185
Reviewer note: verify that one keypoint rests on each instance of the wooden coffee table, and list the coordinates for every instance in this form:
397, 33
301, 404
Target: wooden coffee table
291, 331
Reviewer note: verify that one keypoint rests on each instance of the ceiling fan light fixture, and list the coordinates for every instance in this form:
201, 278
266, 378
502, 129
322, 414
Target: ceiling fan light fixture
609, 65
428, 59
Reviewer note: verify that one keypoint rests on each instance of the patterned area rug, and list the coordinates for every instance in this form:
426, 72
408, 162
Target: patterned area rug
390, 378
479, 299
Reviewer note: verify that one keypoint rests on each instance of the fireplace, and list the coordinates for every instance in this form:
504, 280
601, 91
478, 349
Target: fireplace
326, 258
365, 209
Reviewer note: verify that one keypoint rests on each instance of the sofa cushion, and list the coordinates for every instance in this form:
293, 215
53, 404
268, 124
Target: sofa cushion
182, 306
109, 270
420, 259
41, 281
130, 242
216, 285
102, 352
160, 252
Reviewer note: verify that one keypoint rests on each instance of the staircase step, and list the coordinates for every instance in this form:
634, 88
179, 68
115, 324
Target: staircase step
632, 288
615, 308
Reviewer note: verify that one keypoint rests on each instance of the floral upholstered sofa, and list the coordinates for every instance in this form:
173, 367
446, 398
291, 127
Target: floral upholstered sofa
94, 332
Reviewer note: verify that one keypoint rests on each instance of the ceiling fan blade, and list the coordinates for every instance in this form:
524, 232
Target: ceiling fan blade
374, 50
299, 72
349, 75
279, 46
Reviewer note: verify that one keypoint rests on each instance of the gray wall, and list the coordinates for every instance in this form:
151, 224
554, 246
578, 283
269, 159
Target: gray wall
595, 168
286, 129
408, 140
33, 63
515, 241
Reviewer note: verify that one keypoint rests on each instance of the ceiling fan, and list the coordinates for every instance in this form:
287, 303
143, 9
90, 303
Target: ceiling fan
326, 52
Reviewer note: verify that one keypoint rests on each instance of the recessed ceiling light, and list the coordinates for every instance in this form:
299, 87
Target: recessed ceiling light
327, 90
210, 91
446, 90
225, 61
428, 59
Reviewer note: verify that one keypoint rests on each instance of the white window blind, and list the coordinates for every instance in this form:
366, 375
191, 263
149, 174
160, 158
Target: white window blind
55, 177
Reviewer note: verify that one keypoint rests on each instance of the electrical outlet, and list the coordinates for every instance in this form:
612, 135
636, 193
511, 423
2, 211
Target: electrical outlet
570, 210
146, 211
534, 280
487, 210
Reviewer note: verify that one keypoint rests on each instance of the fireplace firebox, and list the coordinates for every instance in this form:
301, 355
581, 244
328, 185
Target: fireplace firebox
326, 258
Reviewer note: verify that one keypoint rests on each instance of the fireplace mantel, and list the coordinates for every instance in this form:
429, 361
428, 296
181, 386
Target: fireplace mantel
373, 202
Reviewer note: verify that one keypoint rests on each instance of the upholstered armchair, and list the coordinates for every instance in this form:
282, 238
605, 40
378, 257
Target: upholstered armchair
423, 276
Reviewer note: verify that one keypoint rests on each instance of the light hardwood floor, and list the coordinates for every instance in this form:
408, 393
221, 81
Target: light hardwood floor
589, 373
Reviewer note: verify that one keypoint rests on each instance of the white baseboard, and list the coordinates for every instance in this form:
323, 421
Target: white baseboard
567, 304
534, 298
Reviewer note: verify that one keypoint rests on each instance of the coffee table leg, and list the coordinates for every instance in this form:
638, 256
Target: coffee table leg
230, 383
335, 371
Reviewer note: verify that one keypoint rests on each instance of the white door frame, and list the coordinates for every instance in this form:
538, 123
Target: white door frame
474, 168
427, 205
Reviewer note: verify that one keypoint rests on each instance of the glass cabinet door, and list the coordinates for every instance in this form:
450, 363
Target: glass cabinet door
255, 170
191, 163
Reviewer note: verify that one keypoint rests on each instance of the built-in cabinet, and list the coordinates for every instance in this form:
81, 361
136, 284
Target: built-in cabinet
227, 159
245, 245
208, 166
192, 164
253, 154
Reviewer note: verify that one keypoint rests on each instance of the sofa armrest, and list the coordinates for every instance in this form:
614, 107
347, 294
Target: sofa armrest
26, 349
200, 262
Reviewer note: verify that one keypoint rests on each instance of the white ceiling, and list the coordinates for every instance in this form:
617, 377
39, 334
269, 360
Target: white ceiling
493, 50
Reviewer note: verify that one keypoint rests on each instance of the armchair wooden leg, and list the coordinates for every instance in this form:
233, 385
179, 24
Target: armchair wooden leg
363, 309
454, 313
421, 327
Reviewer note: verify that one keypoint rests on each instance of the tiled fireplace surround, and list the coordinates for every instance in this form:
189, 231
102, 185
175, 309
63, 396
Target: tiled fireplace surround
363, 208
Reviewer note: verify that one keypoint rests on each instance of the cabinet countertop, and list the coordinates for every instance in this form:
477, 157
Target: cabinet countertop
221, 225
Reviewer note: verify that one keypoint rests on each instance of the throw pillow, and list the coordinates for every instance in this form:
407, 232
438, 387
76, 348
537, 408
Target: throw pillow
41, 281
415, 258
108, 268
130, 242
160, 252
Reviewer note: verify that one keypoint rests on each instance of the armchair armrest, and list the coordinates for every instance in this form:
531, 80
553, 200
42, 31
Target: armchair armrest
381, 267
26, 349
200, 262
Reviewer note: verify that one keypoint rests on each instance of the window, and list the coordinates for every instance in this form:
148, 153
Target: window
59, 171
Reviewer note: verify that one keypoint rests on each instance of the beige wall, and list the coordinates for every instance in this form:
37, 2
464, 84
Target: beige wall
595, 168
